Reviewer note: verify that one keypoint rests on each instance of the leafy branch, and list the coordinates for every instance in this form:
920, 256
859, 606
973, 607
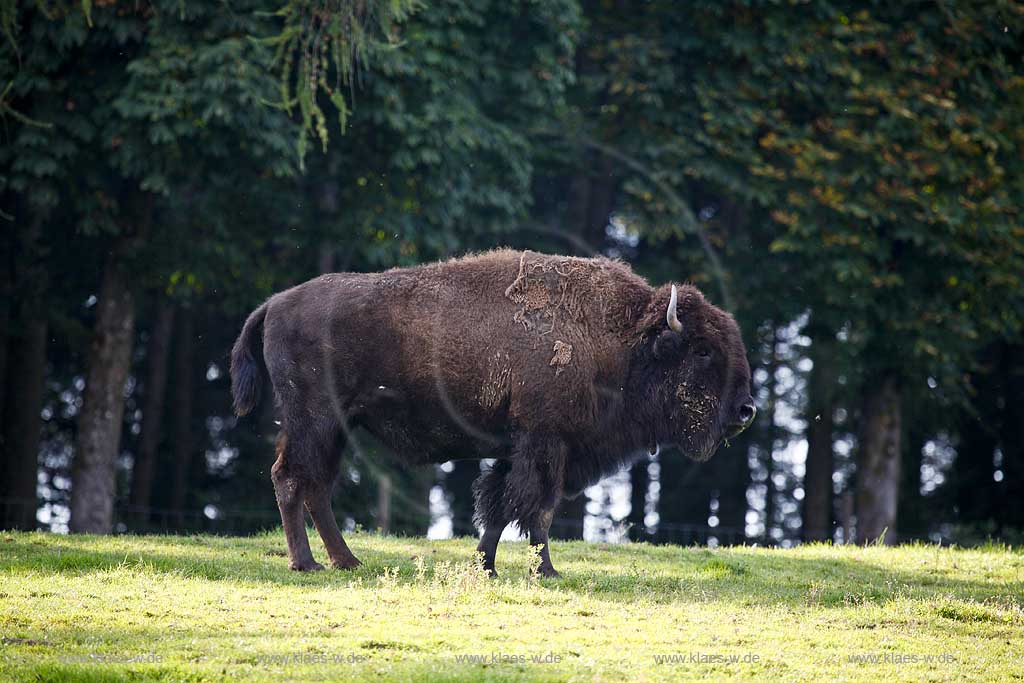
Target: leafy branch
322, 47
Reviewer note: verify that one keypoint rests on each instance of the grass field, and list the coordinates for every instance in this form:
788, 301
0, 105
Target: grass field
201, 608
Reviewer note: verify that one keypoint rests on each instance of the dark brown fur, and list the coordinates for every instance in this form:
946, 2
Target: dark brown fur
563, 369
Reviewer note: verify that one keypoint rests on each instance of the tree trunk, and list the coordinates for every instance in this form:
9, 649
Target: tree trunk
24, 341
1011, 489
771, 432
459, 486
684, 499
6, 297
601, 201
409, 508
577, 212
817, 509
184, 373
568, 524
973, 491
23, 425
731, 476
326, 258
878, 462
99, 423
152, 408
639, 482
912, 511
970, 482
384, 504
846, 515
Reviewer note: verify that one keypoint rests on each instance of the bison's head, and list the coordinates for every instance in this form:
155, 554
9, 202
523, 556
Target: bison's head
701, 374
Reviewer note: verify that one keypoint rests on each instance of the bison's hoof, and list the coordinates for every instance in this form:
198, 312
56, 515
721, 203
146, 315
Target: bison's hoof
347, 563
548, 572
310, 566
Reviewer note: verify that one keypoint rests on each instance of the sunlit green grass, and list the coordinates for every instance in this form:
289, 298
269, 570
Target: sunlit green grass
207, 609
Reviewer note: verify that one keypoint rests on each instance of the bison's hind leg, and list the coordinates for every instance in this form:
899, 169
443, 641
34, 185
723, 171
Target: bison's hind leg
289, 477
318, 501
305, 472
491, 513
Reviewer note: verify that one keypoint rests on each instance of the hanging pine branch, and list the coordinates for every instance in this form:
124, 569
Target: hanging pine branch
322, 48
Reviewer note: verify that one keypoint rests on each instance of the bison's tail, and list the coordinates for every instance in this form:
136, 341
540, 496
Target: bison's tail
247, 363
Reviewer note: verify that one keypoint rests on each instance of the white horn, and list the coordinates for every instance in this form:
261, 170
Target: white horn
671, 317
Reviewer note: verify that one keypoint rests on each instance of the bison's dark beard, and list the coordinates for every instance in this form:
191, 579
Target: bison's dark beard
698, 441
708, 445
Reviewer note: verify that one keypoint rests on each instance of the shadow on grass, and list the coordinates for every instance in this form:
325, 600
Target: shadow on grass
434, 671
662, 574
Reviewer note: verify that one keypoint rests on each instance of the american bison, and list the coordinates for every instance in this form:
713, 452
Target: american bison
562, 369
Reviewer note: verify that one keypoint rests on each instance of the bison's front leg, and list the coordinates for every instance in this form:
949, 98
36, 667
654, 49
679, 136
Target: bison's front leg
539, 537
534, 489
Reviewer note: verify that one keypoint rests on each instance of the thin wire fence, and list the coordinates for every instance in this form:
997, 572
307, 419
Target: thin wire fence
244, 522
241, 522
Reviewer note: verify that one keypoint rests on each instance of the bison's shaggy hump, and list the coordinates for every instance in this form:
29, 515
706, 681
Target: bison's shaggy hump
546, 289
553, 290
549, 293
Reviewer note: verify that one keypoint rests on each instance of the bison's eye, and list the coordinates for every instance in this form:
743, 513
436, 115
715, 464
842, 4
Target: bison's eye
703, 354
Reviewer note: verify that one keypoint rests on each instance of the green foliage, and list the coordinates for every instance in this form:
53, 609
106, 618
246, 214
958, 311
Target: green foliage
439, 156
193, 95
885, 140
322, 47
871, 153
860, 162
161, 105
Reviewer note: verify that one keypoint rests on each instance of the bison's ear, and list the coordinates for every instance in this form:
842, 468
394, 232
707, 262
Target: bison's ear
668, 346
